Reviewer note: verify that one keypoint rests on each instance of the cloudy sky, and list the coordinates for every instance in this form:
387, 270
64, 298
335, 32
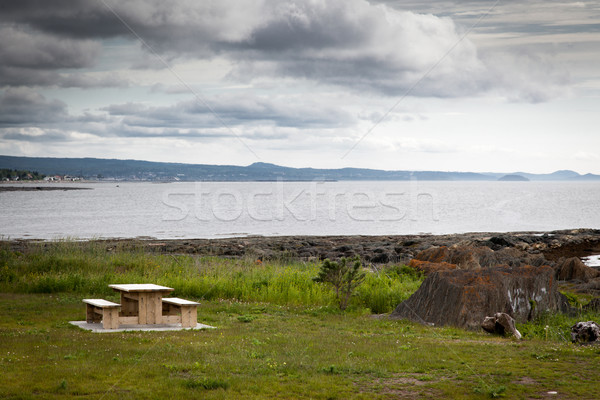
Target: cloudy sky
402, 85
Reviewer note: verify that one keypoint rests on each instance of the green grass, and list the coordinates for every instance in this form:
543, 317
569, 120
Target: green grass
283, 352
270, 342
72, 267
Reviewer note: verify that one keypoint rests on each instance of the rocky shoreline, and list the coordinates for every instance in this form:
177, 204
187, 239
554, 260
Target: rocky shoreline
399, 249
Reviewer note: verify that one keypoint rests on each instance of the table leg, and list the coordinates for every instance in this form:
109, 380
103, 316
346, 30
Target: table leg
157, 308
142, 308
91, 315
189, 316
146, 306
151, 308
129, 305
110, 318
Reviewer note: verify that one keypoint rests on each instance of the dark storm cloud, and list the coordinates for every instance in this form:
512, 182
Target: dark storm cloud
11, 76
311, 26
347, 43
87, 81
279, 110
24, 48
67, 18
23, 106
30, 58
26, 115
234, 110
183, 26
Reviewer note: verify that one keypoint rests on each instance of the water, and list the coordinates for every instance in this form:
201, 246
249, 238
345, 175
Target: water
592, 261
225, 209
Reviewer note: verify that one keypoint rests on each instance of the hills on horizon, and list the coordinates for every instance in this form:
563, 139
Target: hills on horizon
135, 170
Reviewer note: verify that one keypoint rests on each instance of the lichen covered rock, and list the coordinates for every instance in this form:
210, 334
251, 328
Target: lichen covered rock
464, 298
585, 332
573, 268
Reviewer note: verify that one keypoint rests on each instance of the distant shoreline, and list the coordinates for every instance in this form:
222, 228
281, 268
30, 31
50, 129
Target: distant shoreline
11, 188
118, 169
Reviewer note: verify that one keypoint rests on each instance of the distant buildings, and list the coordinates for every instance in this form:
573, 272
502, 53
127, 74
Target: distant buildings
59, 178
14, 175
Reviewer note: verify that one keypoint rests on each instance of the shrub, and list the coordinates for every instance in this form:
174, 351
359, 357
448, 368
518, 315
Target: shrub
343, 277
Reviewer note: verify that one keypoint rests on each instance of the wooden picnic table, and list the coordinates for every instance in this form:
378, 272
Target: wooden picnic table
141, 303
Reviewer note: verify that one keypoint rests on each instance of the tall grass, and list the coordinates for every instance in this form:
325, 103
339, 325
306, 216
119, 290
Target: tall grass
383, 290
555, 326
87, 268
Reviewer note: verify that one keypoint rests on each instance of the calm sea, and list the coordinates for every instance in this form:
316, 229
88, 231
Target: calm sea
225, 209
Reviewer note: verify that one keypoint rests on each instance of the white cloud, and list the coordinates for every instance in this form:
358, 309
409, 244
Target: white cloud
587, 156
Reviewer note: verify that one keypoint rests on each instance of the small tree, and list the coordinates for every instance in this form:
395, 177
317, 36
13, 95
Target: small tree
343, 277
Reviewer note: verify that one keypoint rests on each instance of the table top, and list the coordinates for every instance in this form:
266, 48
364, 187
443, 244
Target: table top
141, 287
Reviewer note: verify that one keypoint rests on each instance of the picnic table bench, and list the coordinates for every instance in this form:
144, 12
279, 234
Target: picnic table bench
102, 310
180, 311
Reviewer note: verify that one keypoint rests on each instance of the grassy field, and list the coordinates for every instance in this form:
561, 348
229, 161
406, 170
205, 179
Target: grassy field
279, 335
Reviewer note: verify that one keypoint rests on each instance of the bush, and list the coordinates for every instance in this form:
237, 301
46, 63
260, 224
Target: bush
343, 277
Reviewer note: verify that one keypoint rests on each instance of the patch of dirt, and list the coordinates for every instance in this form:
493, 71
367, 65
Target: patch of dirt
525, 381
402, 386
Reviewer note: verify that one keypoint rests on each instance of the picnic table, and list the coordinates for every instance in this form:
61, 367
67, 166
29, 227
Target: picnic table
142, 304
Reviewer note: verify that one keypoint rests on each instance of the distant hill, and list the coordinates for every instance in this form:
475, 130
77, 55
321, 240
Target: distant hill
586, 177
564, 175
513, 178
103, 169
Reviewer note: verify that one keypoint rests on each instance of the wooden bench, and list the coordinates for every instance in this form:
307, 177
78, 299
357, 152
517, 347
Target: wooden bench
176, 310
102, 310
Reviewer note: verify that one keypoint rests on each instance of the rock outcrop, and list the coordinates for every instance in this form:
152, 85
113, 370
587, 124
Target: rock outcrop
591, 287
574, 269
471, 257
501, 324
464, 298
585, 332
456, 257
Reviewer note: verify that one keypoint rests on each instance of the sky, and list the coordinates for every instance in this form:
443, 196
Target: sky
483, 86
